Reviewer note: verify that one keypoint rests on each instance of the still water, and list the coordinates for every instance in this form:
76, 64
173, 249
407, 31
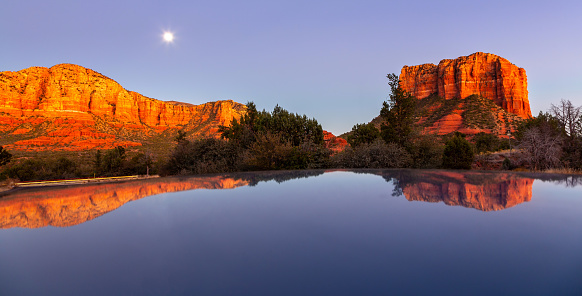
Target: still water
370, 232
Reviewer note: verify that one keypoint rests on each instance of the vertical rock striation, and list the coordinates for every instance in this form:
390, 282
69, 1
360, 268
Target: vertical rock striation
483, 74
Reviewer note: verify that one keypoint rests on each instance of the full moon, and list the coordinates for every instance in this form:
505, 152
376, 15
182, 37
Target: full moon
168, 37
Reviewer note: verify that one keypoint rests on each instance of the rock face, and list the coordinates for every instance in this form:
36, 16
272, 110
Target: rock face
68, 107
70, 206
482, 74
334, 143
484, 192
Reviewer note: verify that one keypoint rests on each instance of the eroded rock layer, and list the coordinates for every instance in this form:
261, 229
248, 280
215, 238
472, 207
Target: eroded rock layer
483, 74
69, 107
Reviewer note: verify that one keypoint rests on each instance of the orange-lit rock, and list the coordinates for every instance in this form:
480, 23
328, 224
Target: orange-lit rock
334, 143
68, 107
74, 205
483, 74
491, 193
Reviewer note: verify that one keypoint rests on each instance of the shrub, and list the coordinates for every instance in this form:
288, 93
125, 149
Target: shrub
202, 157
458, 153
485, 142
426, 152
375, 155
363, 133
5, 156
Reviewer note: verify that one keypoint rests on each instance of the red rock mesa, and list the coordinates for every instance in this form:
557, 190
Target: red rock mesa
481, 92
68, 107
487, 75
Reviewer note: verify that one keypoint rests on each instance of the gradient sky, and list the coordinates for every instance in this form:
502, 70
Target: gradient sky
325, 59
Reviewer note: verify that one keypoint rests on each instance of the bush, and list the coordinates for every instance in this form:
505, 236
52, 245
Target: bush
273, 152
375, 155
458, 153
426, 152
540, 149
507, 165
37, 169
5, 156
485, 142
363, 133
203, 156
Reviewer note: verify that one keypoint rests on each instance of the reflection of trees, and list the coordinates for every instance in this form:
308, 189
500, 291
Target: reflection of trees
278, 176
560, 179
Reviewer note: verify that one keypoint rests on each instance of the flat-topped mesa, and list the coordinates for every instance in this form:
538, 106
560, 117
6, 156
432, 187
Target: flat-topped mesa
69, 107
483, 74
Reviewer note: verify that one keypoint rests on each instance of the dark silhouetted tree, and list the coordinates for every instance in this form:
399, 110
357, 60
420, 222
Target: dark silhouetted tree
398, 113
5, 156
363, 133
458, 153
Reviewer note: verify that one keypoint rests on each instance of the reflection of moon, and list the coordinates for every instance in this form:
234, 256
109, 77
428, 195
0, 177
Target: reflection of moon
168, 37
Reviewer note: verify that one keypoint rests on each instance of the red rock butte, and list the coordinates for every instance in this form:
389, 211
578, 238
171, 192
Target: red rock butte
483, 74
69, 107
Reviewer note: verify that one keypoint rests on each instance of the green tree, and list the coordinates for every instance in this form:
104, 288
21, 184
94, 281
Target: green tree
5, 156
426, 151
181, 137
458, 153
64, 168
363, 133
113, 161
486, 142
398, 113
242, 132
295, 128
98, 162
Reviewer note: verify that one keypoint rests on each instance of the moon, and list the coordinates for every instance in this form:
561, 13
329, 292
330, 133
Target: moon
168, 37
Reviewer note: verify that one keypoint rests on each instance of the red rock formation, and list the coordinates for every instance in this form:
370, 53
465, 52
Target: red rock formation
483, 74
455, 189
68, 107
334, 143
74, 205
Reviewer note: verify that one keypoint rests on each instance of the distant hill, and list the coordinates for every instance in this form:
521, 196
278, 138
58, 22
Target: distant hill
72, 108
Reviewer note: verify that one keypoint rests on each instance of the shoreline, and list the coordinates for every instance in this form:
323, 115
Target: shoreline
66, 182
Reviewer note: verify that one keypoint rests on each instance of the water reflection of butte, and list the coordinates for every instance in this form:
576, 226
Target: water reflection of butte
481, 191
74, 205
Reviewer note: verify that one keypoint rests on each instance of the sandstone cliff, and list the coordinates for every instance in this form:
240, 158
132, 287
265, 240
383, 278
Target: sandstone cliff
483, 74
68, 107
334, 143
477, 93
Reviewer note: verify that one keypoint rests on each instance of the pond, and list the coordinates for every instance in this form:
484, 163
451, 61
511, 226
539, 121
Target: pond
363, 232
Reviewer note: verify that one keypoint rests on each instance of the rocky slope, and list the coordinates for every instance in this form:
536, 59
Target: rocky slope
68, 107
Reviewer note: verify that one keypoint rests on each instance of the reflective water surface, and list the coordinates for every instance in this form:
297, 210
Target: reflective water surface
366, 232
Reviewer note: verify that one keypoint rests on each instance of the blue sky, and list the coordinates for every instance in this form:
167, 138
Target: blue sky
325, 59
